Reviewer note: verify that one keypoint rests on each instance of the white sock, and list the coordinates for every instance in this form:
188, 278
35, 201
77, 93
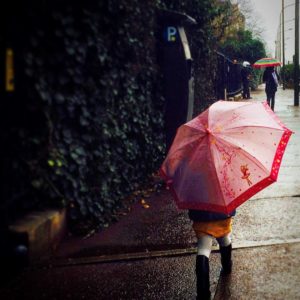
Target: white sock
204, 245
225, 240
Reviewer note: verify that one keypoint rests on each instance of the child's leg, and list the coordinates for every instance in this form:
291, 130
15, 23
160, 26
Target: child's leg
225, 250
225, 240
204, 245
202, 266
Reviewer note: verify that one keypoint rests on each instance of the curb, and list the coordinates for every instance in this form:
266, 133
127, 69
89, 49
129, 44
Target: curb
43, 231
164, 253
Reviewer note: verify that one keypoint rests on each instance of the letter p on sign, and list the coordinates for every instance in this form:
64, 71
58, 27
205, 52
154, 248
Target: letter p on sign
171, 34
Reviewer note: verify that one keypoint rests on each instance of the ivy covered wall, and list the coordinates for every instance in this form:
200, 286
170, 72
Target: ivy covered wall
85, 125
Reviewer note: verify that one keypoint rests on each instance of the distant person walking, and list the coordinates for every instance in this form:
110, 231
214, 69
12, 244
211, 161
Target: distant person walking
245, 75
271, 78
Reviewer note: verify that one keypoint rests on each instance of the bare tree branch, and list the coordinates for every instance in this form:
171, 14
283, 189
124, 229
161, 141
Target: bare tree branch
253, 19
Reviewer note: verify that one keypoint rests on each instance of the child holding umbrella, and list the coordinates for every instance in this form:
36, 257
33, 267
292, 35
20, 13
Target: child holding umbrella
210, 172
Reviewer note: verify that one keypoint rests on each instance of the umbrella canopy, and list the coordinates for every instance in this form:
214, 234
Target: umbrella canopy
266, 62
224, 156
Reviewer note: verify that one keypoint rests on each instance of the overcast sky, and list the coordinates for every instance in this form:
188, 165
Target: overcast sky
269, 13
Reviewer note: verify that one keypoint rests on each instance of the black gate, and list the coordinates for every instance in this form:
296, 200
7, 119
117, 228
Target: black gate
228, 82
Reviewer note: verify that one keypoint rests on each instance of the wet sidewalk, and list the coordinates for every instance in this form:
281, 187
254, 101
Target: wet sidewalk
150, 252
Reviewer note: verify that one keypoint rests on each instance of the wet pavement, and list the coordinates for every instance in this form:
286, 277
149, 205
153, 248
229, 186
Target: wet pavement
159, 227
159, 278
150, 252
263, 273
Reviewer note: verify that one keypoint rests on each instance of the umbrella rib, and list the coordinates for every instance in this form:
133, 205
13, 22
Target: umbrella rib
182, 146
216, 173
259, 126
194, 153
187, 143
251, 157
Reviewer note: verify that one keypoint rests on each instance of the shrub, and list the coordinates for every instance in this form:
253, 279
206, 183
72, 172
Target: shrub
288, 75
88, 129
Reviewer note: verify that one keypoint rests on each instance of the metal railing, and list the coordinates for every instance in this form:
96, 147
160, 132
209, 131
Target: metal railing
228, 82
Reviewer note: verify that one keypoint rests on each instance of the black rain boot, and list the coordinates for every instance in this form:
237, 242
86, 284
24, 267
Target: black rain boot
226, 259
202, 272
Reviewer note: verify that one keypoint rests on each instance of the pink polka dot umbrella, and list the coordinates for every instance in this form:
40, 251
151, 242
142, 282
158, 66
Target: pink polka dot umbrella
225, 155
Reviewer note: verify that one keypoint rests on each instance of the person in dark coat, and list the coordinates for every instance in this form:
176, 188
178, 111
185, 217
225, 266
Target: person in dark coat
207, 226
245, 75
271, 78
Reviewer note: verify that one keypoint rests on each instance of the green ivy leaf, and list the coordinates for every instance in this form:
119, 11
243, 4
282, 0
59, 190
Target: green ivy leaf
51, 163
